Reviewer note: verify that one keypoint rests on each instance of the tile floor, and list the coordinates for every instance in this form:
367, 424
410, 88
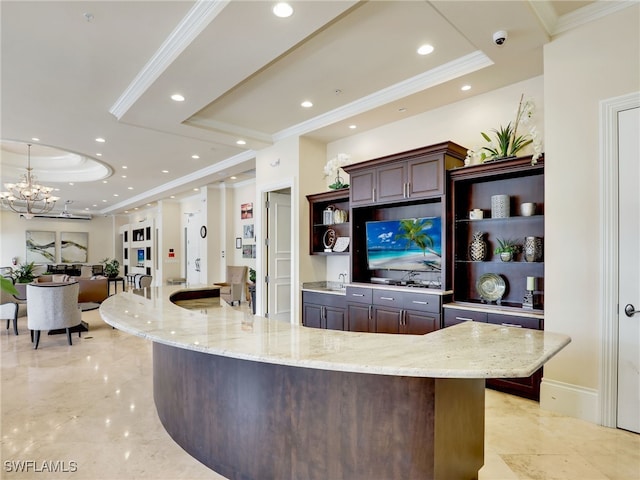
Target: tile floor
88, 409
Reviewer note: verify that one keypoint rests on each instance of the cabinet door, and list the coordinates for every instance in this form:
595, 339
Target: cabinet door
358, 315
312, 315
419, 323
387, 319
362, 187
425, 177
391, 182
334, 318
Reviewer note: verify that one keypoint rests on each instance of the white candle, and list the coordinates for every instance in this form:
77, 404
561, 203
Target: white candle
531, 283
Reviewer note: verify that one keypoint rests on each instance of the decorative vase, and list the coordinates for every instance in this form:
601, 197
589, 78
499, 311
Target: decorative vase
506, 256
477, 248
500, 206
533, 249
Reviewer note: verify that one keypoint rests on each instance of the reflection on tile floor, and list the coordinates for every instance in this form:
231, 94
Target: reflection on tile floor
88, 409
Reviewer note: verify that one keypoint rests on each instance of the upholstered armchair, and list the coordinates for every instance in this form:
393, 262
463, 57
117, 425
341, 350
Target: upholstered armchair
142, 281
234, 288
52, 306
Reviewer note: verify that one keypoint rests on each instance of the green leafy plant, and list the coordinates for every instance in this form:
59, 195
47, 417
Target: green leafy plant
507, 246
252, 275
111, 267
24, 273
7, 285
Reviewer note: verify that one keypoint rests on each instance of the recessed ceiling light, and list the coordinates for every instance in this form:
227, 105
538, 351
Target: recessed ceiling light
136, 208
100, 140
124, 166
126, 211
71, 183
176, 97
165, 171
116, 195
104, 201
98, 154
129, 188
56, 189
196, 189
425, 49
148, 204
195, 157
105, 181
353, 127
172, 196
123, 176
233, 177
94, 205
465, 88
282, 10
35, 139
306, 104
241, 142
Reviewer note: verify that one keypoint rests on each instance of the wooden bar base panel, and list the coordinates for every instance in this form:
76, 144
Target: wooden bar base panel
254, 420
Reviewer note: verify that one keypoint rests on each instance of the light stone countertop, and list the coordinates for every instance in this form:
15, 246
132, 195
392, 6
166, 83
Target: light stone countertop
467, 350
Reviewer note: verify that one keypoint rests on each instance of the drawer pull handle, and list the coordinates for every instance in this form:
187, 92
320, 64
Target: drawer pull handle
357, 294
386, 298
465, 319
511, 325
420, 303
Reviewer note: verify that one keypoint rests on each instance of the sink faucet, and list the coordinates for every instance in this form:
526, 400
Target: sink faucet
343, 278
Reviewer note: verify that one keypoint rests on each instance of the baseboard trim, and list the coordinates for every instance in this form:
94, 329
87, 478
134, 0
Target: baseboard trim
571, 400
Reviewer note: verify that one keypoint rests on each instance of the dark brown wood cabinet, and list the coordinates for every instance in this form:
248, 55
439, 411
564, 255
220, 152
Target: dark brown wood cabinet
324, 310
402, 177
318, 203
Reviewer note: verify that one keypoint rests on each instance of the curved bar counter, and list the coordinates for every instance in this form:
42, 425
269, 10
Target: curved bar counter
257, 399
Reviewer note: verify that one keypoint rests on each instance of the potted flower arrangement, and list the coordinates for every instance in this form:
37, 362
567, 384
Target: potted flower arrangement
507, 142
332, 169
24, 273
111, 267
507, 249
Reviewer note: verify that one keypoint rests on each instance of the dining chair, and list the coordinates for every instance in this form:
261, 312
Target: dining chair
52, 306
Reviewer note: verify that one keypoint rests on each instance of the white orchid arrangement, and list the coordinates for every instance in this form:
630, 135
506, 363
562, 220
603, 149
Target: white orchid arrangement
508, 143
332, 169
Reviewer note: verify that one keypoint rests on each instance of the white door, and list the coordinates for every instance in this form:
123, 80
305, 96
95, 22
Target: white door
629, 271
279, 255
193, 250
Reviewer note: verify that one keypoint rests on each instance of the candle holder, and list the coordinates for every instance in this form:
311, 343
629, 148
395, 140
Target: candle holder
527, 302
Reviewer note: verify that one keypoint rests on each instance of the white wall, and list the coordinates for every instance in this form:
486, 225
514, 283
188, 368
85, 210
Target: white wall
240, 194
582, 67
13, 237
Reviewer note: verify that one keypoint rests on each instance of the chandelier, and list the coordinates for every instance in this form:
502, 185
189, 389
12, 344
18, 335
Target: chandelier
27, 197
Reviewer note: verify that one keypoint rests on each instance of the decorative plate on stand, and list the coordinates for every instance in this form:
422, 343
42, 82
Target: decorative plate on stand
491, 287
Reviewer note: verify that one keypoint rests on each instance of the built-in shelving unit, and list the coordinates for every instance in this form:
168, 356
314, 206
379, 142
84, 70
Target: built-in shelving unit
137, 245
322, 223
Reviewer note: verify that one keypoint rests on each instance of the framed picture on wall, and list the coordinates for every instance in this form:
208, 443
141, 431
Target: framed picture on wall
41, 246
74, 247
246, 211
247, 251
247, 231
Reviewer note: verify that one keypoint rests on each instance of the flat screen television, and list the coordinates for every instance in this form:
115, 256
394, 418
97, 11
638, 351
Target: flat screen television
141, 256
411, 244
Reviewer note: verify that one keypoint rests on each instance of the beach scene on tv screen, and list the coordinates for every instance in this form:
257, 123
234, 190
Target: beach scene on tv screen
413, 244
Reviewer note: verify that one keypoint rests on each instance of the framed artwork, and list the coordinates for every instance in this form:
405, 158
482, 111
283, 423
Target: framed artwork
238, 242
41, 247
247, 231
74, 247
247, 251
246, 211
254, 248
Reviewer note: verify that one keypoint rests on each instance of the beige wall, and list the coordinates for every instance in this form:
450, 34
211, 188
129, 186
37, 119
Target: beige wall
238, 195
13, 230
595, 62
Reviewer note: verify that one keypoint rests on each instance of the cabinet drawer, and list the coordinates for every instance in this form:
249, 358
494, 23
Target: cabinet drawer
515, 321
453, 316
359, 295
388, 298
422, 302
